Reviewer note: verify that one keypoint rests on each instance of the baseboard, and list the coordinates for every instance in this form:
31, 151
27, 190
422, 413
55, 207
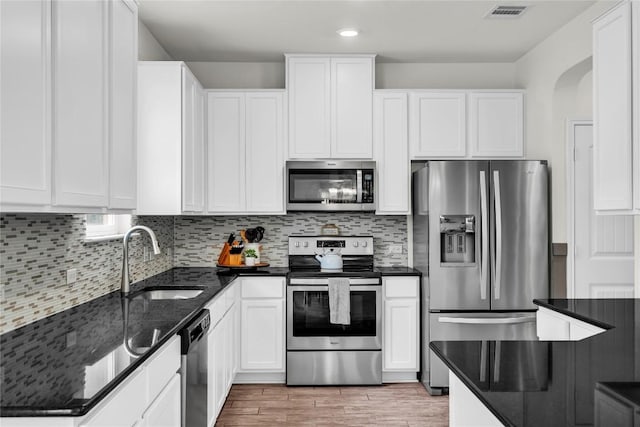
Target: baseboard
260, 378
399, 377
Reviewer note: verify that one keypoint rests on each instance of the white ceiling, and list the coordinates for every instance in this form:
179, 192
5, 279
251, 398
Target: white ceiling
398, 31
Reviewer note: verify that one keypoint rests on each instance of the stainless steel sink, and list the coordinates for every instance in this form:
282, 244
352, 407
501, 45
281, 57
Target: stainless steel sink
164, 294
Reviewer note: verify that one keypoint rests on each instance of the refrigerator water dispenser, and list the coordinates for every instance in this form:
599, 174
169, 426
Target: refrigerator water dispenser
457, 239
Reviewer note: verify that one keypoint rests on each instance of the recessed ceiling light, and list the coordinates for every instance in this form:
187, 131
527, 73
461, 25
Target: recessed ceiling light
348, 32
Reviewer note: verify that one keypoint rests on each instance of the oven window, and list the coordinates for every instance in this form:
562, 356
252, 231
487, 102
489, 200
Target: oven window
317, 186
311, 315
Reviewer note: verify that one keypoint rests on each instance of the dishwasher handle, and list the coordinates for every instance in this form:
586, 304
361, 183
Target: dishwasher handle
488, 320
194, 331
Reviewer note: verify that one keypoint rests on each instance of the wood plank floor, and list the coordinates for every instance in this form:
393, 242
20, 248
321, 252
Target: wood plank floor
387, 405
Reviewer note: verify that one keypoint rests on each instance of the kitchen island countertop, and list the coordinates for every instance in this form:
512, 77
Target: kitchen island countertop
553, 383
47, 365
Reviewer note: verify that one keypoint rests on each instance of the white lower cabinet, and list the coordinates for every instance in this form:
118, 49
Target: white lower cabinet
400, 360
262, 330
157, 399
165, 410
221, 350
554, 326
465, 409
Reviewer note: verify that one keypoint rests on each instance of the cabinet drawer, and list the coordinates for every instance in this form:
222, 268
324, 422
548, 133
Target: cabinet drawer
230, 295
401, 287
264, 287
216, 308
163, 367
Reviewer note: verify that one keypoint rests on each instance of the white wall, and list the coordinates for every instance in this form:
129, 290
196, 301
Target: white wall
271, 75
148, 47
446, 76
556, 75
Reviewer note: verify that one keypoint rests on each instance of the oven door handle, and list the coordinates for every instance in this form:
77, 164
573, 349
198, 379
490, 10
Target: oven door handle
320, 288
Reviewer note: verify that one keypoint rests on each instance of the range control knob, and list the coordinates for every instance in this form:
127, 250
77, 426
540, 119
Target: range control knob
305, 244
355, 244
297, 244
364, 244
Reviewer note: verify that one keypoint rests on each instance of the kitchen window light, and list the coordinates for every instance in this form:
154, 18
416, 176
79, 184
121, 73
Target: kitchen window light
106, 227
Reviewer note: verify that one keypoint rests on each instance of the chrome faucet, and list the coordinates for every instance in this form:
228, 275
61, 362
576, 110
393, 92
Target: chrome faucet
125, 282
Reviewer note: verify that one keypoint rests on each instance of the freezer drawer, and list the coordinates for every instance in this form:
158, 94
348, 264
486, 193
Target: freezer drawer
519, 326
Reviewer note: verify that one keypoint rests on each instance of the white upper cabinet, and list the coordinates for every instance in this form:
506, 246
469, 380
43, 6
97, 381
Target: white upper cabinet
391, 152
330, 106
245, 152
466, 124
170, 140
616, 149
80, 58
496, 124
122, 127
25, 110
438, 124
68, 101
226, 151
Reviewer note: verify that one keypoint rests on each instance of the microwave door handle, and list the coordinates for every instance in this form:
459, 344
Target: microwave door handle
359, 186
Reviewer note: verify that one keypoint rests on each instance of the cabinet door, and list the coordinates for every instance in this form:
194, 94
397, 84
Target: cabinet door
192, 143
391, 148
229, 321
264, 152
116, 409
496, 124
438, 124
400, 334
122, 138
612, 120
25, 134
308, 84
219, 336
80, 102
165, 410
262, 335
351, 107
226, 152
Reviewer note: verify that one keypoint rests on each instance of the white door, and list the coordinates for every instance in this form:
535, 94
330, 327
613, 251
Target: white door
25, 138
80, 102
351, 107
437, 124
122, 137
603, 243
226, 145
264, 152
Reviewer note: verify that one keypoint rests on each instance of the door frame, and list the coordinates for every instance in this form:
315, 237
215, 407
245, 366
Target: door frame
571, 126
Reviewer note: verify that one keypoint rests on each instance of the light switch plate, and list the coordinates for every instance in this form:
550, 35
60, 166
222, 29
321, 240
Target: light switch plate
72, 275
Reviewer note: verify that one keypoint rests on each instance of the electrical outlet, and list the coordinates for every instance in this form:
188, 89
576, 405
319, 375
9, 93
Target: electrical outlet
167, 251
72, 275
395, 249
145, 254
71, 339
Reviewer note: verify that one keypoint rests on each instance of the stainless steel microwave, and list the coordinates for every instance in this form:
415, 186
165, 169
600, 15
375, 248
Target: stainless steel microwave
331, 185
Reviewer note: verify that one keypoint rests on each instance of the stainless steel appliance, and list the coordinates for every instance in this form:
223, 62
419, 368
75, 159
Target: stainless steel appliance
196, 405
331, 185
319, 352
481, 233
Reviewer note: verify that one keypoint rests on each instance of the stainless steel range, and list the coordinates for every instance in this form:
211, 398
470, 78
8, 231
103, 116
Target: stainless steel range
320, 352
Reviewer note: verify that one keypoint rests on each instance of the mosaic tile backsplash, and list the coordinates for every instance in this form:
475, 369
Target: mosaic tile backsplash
198, 240
36, 250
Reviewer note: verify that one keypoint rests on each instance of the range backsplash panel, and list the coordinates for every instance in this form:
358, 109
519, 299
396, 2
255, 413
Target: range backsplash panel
198, 240
36, 250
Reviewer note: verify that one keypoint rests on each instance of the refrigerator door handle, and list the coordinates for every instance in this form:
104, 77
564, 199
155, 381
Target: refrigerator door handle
488, 320
498, 257
484, 235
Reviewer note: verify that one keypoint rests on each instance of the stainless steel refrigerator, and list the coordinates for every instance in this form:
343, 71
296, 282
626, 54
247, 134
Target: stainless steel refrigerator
481, 233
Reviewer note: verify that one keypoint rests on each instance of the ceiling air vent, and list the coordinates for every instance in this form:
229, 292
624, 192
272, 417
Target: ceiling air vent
506, 12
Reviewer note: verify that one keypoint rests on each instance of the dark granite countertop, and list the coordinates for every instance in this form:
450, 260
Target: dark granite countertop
47, 365
531, 383
398, 271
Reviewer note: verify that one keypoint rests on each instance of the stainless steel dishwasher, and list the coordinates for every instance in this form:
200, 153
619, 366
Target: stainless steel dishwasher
193, 371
